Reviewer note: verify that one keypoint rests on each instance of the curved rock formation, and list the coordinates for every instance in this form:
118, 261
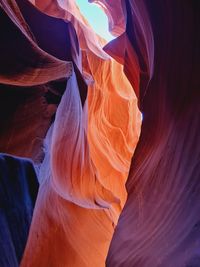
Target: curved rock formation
88, 147
159, 225
81, 96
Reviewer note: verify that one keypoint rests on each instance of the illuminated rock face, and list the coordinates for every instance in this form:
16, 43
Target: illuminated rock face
87, 149
75, 113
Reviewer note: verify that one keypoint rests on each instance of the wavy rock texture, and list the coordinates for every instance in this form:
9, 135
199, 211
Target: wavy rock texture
89, 126
25, 70
88, 147
159, 225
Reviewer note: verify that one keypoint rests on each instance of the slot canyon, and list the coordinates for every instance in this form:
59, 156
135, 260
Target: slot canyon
100, 141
